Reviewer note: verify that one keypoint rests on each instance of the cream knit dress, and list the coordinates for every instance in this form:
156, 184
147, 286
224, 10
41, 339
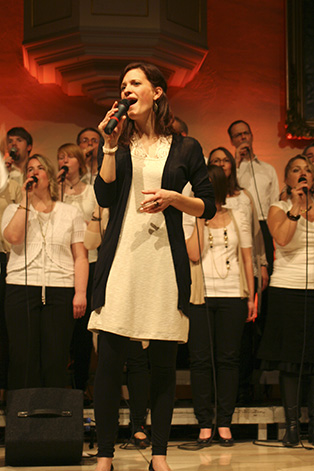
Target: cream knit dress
141, 293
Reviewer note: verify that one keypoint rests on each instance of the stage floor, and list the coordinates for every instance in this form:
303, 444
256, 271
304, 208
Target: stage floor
243, 456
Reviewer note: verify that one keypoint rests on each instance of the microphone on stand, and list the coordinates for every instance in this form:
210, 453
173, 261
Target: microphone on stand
123, 107
31, 183
65, 169
13, 154
305, 189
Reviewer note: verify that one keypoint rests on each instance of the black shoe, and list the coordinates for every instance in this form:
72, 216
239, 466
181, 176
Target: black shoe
291, 437
226, 441
204, 442
311, 431
151, 466
141, 442
198, 445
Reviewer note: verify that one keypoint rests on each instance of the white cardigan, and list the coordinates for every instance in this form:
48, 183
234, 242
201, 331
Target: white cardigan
50, 263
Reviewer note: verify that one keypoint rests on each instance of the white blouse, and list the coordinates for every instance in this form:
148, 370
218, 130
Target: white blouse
49, 258
220, 252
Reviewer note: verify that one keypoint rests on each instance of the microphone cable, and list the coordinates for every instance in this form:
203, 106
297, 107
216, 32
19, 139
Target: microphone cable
27, 297
194, 446
264, 442
304, 320
91, 169
62, 190
256, 190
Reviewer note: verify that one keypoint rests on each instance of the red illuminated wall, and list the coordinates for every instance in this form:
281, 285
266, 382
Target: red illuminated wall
242, 77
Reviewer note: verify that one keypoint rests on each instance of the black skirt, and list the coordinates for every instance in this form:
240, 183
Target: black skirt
288, 338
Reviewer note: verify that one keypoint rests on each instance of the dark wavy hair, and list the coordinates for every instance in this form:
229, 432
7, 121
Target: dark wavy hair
232, 181
164, 116
289, 165
219, 181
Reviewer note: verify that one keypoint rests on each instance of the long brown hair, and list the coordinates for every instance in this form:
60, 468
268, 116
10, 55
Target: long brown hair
164, 116
232, 181
219, 181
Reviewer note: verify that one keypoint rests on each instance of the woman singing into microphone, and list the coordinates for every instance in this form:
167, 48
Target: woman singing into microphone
142, 279
46, 279
287, 344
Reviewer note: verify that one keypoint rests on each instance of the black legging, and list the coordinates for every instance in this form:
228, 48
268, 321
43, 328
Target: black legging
227, 318
138, 378
113, 350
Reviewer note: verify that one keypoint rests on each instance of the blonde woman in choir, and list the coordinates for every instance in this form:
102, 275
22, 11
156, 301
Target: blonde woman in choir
46, 279
287, 344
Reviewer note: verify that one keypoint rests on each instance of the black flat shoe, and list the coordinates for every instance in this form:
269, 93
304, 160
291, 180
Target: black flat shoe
226, 441
291, 438
204, 442
141, 442
199, 444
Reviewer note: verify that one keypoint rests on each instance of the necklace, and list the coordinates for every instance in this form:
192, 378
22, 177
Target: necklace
74, 184
41, 225
211, 245
303, 211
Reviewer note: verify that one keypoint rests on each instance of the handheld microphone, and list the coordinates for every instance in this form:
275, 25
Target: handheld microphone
31, 183
13, 154
123, 107
303, 179
65, 169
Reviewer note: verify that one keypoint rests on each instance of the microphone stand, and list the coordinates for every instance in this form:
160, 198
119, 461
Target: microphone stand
91, 169
62, 185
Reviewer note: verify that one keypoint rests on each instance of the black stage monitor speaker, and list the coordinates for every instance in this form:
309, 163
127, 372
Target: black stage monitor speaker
44, 427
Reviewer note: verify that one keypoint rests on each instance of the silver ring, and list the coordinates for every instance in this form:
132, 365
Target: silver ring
156, 203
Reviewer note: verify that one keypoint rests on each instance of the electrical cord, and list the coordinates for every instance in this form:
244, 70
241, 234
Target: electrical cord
27, 297
62, 190
194, 446
256, 190
264, 442
305, 319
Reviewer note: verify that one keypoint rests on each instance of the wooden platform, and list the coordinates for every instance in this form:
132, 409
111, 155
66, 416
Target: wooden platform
261, 416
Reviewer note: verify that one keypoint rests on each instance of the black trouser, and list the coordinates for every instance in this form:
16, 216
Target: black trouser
138, 384
39, 335
113, 350
4, 346
82, 341
227, 318
253, 331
